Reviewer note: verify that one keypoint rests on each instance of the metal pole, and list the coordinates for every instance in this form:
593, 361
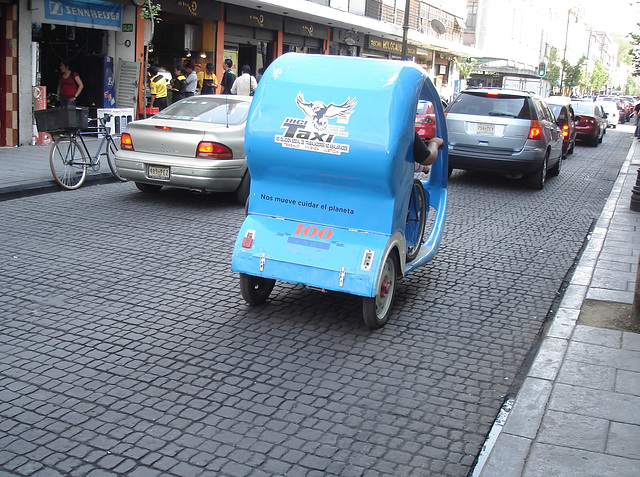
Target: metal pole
405, 30
564, 55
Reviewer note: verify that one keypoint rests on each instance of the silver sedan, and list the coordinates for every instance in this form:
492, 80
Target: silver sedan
195, 144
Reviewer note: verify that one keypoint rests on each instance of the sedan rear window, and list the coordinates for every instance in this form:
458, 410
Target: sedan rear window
207, 110
484, 104
583, 109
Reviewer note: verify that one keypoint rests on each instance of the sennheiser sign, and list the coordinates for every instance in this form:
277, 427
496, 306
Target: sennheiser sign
88, 14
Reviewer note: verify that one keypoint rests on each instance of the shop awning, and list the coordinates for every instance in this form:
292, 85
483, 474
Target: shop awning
88, 13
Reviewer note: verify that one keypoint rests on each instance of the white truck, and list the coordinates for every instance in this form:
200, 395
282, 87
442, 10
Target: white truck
538, 85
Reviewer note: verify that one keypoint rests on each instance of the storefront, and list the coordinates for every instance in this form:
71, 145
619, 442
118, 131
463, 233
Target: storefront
84, 34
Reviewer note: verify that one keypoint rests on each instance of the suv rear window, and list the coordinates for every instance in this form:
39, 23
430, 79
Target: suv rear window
483, 104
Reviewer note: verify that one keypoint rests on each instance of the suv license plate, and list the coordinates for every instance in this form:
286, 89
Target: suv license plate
159, 172
486, 129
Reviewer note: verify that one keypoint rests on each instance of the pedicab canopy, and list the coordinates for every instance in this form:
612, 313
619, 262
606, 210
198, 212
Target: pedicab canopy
329, 148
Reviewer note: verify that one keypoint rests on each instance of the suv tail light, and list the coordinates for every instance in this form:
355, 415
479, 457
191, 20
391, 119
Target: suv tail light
126, 142
565, 130
535, 130
213, 150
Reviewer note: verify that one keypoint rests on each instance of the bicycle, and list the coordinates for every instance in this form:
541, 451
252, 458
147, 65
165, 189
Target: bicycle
416, 220
70, 158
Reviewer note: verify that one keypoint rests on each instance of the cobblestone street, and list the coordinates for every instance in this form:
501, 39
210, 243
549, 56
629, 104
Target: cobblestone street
126, 348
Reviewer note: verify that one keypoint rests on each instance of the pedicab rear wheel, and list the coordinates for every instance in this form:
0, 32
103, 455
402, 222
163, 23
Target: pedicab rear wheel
416, 219
376, 310
255, 290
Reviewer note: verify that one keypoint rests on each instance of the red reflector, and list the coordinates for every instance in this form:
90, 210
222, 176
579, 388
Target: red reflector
125, 142
247, 242
164, 128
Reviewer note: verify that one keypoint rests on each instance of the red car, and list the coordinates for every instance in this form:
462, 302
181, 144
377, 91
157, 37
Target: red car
590, 125
425, 124
565, 118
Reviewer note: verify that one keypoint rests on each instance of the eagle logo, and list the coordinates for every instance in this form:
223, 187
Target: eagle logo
319, 113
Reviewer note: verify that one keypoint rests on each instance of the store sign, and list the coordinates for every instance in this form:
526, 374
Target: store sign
127, 27
382, 44
89, 14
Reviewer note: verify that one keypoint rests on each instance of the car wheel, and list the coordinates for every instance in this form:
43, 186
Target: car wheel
148, 188
555, 170
242, 192
595, 141
255, 290
538, 178
376, 310
571, 146
601, 138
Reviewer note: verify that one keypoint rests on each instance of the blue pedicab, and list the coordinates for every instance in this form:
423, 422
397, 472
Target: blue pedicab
333, 202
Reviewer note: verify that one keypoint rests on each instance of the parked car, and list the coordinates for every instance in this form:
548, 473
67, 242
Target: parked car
611, 110
425, 123
195, 144
620, 105
565, 117
506, 131
590, 124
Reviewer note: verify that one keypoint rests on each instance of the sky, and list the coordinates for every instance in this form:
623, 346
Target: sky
617, 17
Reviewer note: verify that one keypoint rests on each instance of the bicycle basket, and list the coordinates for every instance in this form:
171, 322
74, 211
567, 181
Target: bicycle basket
62, 118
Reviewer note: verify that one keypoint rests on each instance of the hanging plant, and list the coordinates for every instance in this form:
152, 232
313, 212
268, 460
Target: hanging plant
151, 11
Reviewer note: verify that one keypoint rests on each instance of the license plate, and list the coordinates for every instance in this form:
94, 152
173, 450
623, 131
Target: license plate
159, 172
486, 129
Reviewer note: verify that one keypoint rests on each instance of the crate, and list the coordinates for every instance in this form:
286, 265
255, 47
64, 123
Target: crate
62, 118
149, 111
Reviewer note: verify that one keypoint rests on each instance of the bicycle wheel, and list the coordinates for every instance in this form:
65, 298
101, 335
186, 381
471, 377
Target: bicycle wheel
416, 218
68, 163
112, 148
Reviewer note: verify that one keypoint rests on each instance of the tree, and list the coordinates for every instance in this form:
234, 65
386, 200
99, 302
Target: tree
573, 74
634, 52
553, 67
465, 66
598, 77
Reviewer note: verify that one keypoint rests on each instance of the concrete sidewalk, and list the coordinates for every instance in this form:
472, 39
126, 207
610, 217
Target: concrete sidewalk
25, 171
578, 410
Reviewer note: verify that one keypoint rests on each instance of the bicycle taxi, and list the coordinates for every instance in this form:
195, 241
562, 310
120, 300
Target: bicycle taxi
329, 146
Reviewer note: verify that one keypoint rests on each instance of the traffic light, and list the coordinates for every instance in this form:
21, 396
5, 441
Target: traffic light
542, 69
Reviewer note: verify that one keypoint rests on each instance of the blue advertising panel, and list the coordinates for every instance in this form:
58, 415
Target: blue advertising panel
88, 13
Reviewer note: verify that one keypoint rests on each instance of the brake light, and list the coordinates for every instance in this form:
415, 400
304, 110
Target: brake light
125, 142
492, 93
164, 128
565, 130
213, 150
535, 131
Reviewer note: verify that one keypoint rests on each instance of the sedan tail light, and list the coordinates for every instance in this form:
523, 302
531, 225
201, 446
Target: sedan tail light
126, 142
565, 130
535, 131
213, 150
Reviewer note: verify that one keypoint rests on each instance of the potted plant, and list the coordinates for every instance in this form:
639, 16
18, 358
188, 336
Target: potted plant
150, 13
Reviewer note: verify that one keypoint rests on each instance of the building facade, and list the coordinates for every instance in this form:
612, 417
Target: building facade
109, 45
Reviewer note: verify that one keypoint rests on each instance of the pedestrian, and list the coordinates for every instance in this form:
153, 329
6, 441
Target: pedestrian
246, 84
259, 75
192, 79
179, 83
209, 80
158, 87
228, 77
636, 114
70, 85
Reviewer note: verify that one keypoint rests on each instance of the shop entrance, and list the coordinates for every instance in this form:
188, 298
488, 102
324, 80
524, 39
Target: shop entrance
84, 49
